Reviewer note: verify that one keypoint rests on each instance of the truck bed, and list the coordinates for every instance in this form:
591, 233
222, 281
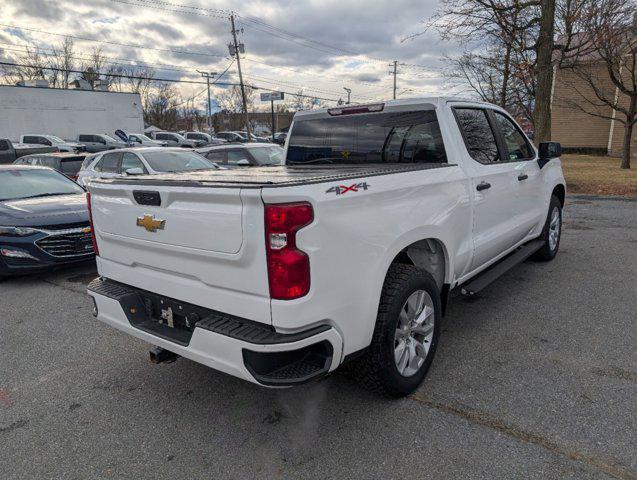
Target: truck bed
271, 177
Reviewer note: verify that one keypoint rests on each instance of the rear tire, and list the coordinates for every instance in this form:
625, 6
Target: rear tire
552, 232
406, 333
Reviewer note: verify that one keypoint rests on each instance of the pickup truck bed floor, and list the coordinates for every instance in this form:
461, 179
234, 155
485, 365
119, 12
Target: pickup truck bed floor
271, 177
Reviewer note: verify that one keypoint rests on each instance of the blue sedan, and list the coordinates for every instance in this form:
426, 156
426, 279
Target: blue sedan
44, 220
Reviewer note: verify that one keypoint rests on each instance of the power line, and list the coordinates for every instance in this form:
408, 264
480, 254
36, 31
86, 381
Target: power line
264, 27
108, 42
167, 80
50, 52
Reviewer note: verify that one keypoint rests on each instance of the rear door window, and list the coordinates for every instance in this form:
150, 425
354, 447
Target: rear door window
50, 162
130, 160
217, 156
518, 148
478, 134
71, 166
235, 156
392, 137
109, 163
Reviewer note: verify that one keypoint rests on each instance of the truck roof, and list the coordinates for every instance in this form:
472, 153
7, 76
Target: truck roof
268, 177
421, 102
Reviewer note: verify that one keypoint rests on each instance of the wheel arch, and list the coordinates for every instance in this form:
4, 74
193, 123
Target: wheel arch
429, 254
560, 192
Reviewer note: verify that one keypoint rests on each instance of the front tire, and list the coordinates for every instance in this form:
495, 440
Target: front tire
552, 232
406, 333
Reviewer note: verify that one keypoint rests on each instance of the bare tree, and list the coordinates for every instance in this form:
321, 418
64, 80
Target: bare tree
301, 101
609, 55
161, 107
230, 100
63, 61
509, 50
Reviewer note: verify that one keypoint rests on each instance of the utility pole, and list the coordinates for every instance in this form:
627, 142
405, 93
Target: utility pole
395, 72
208, 76
349, 94
235, 50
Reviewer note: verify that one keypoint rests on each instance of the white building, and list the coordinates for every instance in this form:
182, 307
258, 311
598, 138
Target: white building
67, 113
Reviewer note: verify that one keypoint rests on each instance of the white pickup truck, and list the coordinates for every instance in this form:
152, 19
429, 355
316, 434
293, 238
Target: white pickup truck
280, 274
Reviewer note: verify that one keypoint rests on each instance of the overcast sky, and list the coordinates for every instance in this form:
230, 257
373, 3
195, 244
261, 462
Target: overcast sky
320, 46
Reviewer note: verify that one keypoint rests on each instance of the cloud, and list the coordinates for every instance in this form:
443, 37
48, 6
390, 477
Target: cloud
319, 46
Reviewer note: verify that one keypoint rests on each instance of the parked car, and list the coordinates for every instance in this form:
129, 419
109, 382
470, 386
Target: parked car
253, 137
43, 220
53, 141
232, 137
142, 161
135, 139
348, 252
10, 151
99, 142
280, 138
244, 155
198, 136
66, 163
176, 140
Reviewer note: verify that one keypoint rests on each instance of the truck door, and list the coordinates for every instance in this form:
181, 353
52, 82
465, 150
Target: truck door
529, 194
496, 224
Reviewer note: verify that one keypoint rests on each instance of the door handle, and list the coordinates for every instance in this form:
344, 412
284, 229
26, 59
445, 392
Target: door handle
524, 176
482, 186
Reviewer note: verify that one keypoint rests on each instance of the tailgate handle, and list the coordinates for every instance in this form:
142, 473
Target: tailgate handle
146, 197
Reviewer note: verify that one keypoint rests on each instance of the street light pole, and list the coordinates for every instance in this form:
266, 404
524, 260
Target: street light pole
207, 76
349, 94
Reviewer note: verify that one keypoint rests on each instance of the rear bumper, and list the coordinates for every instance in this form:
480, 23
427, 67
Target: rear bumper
244, 349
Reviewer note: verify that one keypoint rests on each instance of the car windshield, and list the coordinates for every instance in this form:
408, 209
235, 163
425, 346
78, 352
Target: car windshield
177, 161
142, 137
56, 139
109, 138
268, 155
26, 183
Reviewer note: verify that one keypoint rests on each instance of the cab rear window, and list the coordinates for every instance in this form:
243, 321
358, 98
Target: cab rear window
400, 137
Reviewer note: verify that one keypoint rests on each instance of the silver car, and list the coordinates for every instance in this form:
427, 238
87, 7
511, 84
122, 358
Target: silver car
142, 161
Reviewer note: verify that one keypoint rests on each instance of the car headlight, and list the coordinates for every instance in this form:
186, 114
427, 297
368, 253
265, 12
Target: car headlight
17, 231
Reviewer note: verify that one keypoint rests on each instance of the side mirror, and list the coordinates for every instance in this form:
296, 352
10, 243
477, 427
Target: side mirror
134, 171
548, 151
243, 163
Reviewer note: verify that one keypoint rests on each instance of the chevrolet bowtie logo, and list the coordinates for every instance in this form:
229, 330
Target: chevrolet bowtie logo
150, 223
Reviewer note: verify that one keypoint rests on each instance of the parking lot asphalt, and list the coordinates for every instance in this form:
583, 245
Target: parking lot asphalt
534, 378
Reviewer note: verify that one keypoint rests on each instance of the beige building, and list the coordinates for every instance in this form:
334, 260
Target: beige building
577, 130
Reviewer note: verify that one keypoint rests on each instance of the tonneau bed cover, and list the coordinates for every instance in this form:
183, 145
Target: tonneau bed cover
270, 177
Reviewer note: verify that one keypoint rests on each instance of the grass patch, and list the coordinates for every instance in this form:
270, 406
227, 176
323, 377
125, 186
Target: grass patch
598, 175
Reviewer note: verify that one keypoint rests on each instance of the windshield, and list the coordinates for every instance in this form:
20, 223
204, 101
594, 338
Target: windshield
27, 183
177, 161
109, 138
55, 139
268, 155
142, 137
401, 137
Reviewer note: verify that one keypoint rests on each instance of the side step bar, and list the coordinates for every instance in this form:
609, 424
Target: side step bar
500, 268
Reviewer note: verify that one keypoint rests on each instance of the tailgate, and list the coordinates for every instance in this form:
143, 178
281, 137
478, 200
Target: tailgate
201, 245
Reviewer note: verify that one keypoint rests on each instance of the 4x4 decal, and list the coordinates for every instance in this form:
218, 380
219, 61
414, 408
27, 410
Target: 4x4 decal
343, 189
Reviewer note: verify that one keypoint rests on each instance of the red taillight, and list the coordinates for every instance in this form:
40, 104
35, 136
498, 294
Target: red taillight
90, 218
288, 267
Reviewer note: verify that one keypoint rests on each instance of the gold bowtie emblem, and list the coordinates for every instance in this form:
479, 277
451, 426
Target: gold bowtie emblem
150, 223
